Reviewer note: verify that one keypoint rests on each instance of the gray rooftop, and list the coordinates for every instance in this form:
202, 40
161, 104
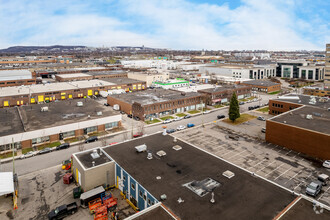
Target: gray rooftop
260, 83
6, 75
109, 72
152, 96
122, 80
304, 100
297, 117
223, 88
10, 122
86, 158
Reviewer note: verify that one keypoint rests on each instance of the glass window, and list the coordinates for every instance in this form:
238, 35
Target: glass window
111, 125
133, 186
68, 134
310, 74
303, 74
40, 140
91, 129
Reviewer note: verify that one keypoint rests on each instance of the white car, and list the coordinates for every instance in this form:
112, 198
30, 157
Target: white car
326, 163
28, 154
206, 112
167, 121
177, 118
180, 127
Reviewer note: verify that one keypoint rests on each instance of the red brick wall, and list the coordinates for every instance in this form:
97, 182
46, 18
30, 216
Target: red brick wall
308, 142
26, 144
54, 137
100, 127
126, 107
279, 109
79, 132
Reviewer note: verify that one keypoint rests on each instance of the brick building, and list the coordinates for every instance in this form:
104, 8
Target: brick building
154, 103
263, 85
16, 78
72, 77
28, 126
40, 93
305, 129
317, 91
129, 85
223, 94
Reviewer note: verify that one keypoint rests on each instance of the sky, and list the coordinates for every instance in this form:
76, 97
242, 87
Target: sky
172, 24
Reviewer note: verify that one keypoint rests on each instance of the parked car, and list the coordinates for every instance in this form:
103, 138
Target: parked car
113, 143
221, 116
63, 211
314, 188
187, 116
45, 150
263, 130
177, 118
169, 131
323, 178
206, 112
63, 146
121, 112
28, 154
139, 134
130, 115
261, 118
241, 103
106, 104
167, 121
190, 125
136, 118
91, 139
180, 127
326, 164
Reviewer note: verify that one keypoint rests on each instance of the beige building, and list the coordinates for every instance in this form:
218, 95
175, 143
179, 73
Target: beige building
327, 65
148, 77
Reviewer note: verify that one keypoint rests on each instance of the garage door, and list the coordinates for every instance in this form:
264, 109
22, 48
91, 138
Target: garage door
40, 98
90, 92
6, 103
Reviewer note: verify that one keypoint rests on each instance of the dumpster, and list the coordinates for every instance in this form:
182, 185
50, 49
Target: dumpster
67, 178
77, 192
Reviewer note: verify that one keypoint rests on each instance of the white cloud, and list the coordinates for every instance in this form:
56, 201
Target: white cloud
176, 24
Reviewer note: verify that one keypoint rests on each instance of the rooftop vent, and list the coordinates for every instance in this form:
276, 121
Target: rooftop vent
141, 148
79, 104
44, 109
176, 147
203, 187
309, 117
228, 174
99, 113
149, 157
95, 155
161, 153
317, 114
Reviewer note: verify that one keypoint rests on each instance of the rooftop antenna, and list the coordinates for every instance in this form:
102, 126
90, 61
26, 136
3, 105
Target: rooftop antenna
212, 199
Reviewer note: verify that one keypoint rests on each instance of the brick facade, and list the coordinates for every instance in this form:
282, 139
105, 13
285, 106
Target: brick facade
277, 107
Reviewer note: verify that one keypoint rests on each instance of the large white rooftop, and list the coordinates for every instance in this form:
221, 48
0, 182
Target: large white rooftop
72, 75
195, 88
6, 75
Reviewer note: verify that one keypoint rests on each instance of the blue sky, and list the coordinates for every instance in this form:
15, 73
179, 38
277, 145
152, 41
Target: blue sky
174, 24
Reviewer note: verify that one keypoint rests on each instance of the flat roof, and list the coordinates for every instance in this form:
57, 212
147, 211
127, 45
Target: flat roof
297, 117
6, 183
223, 88
158, 213
87, 160
261, 83
61, 113
72, 75
89, 83
122, 80
10, 122
303, 100
109, 72
6, 75
195, 88
242, 197
303, 209
151, 96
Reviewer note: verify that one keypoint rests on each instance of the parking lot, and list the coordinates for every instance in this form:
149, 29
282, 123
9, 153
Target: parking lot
282, 166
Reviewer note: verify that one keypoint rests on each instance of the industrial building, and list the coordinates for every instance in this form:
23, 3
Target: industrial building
263, 85
317, 91
154, 103
16, 78
34, 125
149, 76
90, 75
165, 178
171, 83
129, 85
222, 94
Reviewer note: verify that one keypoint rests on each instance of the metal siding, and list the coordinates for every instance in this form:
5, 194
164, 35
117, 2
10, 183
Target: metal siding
152, 200
125, 182
141, 202
132, 191
118, 170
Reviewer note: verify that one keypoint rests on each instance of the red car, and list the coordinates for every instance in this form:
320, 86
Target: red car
114, 143
139, 134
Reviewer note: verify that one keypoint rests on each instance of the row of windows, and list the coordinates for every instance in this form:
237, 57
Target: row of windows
111, 125
40, 140
276, 112
169, 105
5, 147
277, 105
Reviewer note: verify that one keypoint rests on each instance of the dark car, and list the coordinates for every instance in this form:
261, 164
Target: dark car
136, 118
121, 112
169, 131
261, 118
187, 116
106, 104
221, 116
241, 103
63, 211
130, 115
251, 108
45, 150
139, 134
63, 146
91, 139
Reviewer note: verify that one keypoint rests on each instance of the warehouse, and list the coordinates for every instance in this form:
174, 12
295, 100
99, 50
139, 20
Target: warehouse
129, 85
158, 169
41, 93
263, 85
221, 95
72, 77
34, 125
16, 78
154, 103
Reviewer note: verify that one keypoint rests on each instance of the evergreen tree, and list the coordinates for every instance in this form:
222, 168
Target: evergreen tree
234, 108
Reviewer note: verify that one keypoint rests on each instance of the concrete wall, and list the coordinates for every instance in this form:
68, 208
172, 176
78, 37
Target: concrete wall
100, 175
312, 143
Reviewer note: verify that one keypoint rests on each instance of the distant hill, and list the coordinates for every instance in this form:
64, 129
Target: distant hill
29, 49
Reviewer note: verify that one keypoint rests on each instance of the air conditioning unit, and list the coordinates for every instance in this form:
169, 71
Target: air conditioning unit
44, 109
309, 117
79, 104
99, 113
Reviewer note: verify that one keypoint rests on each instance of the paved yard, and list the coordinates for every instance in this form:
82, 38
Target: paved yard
280, 165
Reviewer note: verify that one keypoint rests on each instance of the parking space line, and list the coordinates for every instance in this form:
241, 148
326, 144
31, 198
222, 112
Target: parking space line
275, 169
293, 176
288, 152
323, 193
236, 154
296, 155
283, 173
303, 181
259, 163
266, 166
227, 153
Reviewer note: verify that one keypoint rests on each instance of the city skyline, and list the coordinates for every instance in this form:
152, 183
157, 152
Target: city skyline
182, 24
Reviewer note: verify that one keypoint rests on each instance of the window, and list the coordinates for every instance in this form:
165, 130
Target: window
133, 186
144, 197
91, 129
140, 194
40, 140
68, 134
124, 178
149, 201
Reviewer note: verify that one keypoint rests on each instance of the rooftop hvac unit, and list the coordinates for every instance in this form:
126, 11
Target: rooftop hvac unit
161, 153
44, 109
309, 117
141, 148
98, 113
95, 155
79, 104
